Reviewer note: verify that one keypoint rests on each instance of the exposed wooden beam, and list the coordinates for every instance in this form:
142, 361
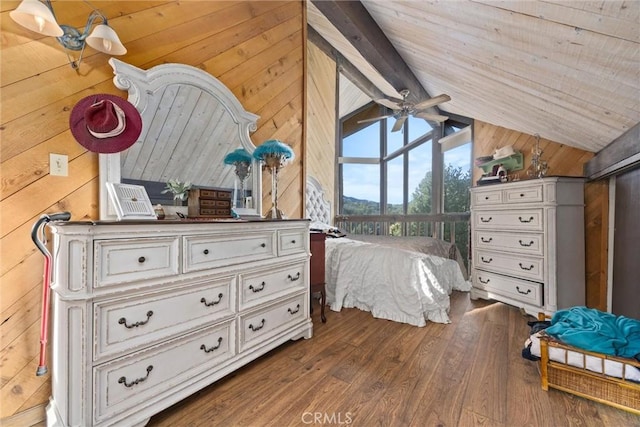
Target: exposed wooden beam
621, 154
344, 65
355, 23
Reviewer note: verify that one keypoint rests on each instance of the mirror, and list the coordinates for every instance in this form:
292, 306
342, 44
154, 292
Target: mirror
190, 122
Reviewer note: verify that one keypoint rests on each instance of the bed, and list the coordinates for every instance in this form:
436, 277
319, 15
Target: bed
406, 280
611, 380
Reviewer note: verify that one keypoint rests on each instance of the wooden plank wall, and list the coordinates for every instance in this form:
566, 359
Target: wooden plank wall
568, 161
321, 120
257, 48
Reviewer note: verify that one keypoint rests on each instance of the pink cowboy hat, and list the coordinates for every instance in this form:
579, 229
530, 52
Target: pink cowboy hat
105, 123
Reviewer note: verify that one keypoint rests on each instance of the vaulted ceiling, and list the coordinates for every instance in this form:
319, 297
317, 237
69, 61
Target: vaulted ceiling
566, 70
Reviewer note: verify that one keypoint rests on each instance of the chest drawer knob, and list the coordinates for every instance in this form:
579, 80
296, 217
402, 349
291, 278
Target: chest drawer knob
123, 321
256, 289
484, 282
525, 268
525, 221
209, 304
206, 252
123, 380
141, 259
293, 242
521, 194
486, 197
263, 245
526, 245
486, 240
486, 220
488, 260
210, 349
257, 328
522, 292
295, 310
294, 278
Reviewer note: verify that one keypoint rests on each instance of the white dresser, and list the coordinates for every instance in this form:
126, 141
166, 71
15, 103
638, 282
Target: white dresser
528, 243
147, 313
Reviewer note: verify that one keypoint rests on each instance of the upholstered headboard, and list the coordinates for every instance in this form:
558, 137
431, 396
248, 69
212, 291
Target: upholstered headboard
318, 209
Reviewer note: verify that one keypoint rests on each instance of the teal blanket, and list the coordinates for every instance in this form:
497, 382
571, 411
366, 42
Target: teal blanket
597, 331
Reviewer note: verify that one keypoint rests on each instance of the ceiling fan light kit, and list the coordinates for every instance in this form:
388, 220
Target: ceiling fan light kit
403, 108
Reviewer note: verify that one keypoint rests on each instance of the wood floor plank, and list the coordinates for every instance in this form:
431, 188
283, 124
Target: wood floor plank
362, 372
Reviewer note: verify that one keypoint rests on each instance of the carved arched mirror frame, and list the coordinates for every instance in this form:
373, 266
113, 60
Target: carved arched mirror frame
190, 120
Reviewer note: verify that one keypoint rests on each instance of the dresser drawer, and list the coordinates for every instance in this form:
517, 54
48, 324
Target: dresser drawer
525, 219
529, 243
204, 252
523, 266
292, 242
126, 325
260, 325
264, 285
127, 382
520, 290
127, 260
486, 197
530, 193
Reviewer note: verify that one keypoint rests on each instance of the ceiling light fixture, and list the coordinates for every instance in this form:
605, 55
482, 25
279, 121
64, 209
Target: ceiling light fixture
38, 16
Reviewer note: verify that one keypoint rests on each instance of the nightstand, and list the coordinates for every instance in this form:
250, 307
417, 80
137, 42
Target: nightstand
316, 281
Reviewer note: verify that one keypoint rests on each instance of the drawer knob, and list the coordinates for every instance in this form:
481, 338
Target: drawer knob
123, 321
293, 242
294, 278
209, 304
210, 349
486, 197
486, 240
141, 259
521, 194
526, 245
294, 311
206, 252
256, 289
521, 292
487, 261
263, 245
525, 221
525, 268
483, 281
486, 220
257, 328
123, 380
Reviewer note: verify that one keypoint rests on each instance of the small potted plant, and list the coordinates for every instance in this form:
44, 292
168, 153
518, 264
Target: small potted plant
180, 191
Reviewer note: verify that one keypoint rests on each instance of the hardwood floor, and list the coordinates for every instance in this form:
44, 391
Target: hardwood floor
361, 371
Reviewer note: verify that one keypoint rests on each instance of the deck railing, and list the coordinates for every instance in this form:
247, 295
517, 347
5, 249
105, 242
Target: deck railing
452, 227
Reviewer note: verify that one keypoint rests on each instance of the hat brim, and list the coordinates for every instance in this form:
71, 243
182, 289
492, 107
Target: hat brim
113, 144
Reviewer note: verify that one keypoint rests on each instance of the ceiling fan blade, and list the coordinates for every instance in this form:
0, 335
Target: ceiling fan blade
432, 117
399, 123
388, 103
375, 119
432, 102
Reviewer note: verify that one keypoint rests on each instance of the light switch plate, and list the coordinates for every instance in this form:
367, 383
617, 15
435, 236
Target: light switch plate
58, 164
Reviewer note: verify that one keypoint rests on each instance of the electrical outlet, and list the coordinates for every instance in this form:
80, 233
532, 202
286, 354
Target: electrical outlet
58, 164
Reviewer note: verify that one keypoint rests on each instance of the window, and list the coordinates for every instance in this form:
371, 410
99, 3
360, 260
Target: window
391, 173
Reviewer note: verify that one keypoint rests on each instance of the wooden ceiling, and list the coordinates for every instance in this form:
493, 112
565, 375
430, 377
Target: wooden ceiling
566, 70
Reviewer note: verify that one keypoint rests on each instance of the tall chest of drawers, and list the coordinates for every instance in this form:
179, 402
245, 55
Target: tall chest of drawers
147, 313
528, 243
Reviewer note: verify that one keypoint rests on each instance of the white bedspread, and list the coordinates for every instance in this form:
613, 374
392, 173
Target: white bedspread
391, 283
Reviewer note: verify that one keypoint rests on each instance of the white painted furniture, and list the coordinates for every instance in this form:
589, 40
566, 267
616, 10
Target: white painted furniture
147, 313
528, 243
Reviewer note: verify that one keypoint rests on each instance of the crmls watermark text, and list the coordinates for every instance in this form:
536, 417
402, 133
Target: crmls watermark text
337, 418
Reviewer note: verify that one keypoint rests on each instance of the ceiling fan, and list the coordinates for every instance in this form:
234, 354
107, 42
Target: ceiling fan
402, 108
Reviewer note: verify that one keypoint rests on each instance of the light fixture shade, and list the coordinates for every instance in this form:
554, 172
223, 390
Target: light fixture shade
37, 17
104, 39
